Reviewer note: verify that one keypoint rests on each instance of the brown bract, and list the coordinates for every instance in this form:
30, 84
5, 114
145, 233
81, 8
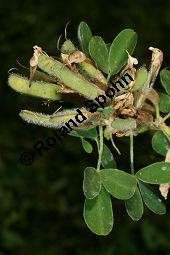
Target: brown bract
74, 58
156, 62
124, 105
34, 62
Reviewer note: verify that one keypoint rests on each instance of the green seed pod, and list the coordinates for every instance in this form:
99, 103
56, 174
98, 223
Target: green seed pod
38, 89
74, 118
70, 79
68, 47
123, 124
140, 79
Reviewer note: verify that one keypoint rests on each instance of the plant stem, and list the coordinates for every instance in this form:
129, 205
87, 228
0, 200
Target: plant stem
131, 154
100, 148
108, 77
97, 144
157, 111
166, 117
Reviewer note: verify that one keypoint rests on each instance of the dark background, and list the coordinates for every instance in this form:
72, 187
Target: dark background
41, 205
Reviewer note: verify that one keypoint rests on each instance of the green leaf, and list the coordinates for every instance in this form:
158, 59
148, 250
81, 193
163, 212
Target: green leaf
165, 80
134, 206
152, 201
84, 36
156, 173
118, 183
98, 213
140, 79
160, 143
108, 160
90, 133
99, 53
86, 146
91, 183
164, 104
124, 42
108, 45
123, 124
107, 111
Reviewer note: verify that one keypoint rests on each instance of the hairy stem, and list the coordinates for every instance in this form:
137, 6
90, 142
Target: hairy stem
100, 147
131, 154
